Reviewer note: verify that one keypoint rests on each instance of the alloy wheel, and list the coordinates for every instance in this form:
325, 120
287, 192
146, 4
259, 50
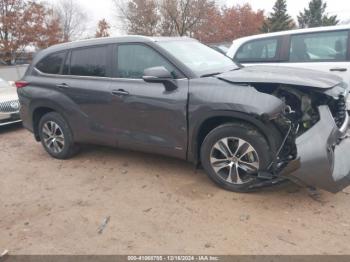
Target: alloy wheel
53, 137
234, 160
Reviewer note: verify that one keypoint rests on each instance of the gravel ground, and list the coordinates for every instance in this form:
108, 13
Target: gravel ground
155, 205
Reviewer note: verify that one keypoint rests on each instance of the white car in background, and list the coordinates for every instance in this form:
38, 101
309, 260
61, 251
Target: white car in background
323, 48
9, 104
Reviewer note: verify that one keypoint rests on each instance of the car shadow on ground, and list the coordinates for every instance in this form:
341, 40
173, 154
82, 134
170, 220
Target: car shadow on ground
182, 179
10, 128
172, 167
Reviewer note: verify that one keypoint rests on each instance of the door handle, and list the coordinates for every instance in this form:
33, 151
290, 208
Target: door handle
338, 69
62, 86
120, 92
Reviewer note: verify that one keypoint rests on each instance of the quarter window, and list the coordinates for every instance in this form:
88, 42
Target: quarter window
258, 51
89, 62
51, 64
328, 46
134, 59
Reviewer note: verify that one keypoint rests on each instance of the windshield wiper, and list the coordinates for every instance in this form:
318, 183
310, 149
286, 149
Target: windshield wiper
211, 74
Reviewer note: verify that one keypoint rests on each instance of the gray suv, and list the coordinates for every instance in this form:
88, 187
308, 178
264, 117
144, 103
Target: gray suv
247, 127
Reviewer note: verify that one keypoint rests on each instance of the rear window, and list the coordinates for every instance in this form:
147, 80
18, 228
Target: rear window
89, 62
325, 46
258, 51
51, 64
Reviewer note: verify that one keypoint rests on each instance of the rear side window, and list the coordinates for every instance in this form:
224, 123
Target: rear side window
51, 64
325, 46
258, 51
133, 59
89, 62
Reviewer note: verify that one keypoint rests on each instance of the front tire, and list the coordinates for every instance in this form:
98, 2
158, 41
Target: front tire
232, 155
56, 136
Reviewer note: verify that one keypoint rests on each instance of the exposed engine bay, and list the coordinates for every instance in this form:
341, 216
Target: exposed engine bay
300, 114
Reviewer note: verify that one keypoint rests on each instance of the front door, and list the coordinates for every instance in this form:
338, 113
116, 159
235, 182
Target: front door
147, 117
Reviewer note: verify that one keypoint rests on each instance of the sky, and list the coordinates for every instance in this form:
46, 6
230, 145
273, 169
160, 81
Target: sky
98, 9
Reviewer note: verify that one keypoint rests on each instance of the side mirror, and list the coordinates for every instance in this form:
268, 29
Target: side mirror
160, 75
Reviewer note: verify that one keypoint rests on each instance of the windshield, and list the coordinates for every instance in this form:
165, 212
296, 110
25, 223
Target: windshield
200, 58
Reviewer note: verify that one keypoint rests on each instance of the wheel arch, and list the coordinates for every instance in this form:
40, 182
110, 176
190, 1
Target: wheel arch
207, 124
39, 109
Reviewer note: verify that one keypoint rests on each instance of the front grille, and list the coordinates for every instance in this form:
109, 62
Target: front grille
340, 111
9, 106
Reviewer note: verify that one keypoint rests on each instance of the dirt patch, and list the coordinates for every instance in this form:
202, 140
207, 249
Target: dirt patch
155, 205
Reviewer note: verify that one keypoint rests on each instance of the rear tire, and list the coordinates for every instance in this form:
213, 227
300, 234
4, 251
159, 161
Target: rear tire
232, 155
56, 136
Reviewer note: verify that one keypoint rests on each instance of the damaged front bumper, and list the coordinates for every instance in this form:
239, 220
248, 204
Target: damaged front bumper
323, 155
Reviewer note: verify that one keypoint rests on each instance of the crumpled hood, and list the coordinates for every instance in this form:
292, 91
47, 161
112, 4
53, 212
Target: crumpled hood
8, 94
282, 75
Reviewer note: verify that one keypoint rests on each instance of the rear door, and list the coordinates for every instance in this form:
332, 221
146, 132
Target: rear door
324, 51
148, 117
86, 81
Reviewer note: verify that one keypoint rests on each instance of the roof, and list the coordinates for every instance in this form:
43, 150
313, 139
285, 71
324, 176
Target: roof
112, 40
238, 42
296, 31
104, 41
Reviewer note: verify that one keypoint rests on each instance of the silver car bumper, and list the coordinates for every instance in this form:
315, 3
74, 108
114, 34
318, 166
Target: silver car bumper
323, 155
9, 118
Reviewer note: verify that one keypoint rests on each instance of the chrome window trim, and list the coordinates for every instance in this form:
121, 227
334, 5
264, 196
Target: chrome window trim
91, 77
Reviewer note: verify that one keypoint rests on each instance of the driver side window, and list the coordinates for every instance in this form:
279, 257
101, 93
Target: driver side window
133, 59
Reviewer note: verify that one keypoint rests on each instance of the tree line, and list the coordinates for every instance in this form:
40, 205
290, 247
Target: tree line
29, 23
208, 22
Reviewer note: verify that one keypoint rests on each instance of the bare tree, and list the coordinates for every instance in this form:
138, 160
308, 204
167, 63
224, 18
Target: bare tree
72, 19
183, 17
163, 17
139, 16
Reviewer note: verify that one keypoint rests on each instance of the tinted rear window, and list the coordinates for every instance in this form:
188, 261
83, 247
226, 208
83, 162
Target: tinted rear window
52, 63
89, 62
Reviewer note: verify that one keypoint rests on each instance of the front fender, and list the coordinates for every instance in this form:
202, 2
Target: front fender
213, 98
211, 94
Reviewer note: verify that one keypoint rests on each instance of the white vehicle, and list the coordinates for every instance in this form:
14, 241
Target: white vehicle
323, 48
9, 104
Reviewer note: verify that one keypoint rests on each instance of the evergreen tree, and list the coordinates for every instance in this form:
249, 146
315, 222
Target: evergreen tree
316, 16
279, 19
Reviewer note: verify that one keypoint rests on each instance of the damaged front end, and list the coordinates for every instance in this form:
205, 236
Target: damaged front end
315, 149
316, 145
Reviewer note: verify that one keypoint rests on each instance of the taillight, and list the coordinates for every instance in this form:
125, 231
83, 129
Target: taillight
21, 84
